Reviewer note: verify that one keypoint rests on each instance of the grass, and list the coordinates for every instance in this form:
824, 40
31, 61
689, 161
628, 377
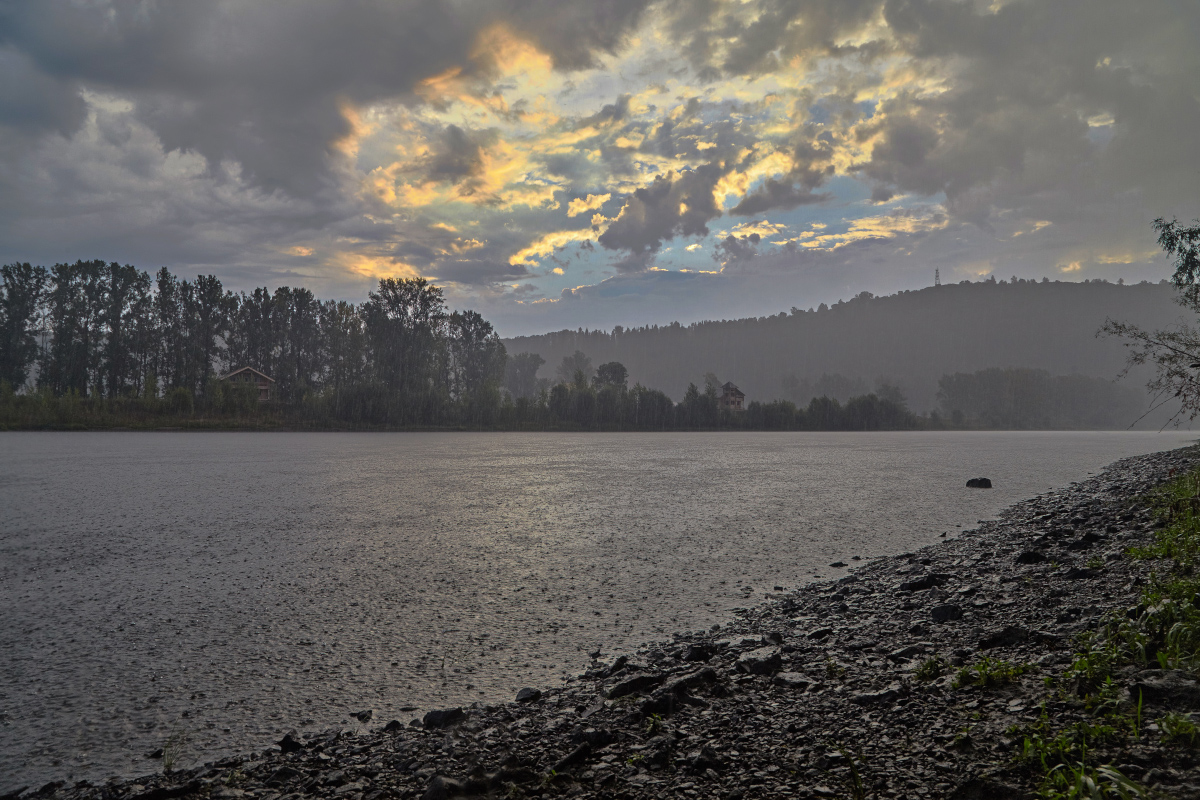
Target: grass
172, 751
987, 673
1179, 729
930, 669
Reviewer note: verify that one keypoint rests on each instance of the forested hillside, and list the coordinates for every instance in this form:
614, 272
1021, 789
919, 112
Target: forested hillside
911, 340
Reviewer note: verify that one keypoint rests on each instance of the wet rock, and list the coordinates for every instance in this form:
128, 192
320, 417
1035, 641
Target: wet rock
440, 787
1008, 636
820, 633
794, 680
635, 684
705, 758
1031, 557
576, 756
1079, 574
924, 582
838, 564
1174, 689
879, 697
762, 661
528, 695
282, 776
443, 717
698, 652
947, 612
363, 716
979, 483
393, 726
289, 744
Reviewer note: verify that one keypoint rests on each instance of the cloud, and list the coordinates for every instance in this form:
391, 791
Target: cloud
591, 203
675, 204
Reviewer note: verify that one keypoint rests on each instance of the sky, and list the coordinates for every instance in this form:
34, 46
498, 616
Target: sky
592, 163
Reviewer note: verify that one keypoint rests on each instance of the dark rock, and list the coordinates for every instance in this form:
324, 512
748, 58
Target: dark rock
982, 788
698, 652
282, 776
14, 794
1031, 557
875, 698
1079, 574
925, 582
1172, 688
289, 744
634, 685
157, 754
979, 483
363, 716
946, 612
443, 717
576, 756
820, 633
705, 758
763, 661
838, 564
794, 680
1009, 636
162, 792
528, 695
440, 787
905, 653
393, 726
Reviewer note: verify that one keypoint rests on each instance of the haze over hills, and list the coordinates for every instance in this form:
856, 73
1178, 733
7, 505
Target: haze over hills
911, 340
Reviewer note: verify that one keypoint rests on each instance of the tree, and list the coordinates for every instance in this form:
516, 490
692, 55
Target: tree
71, 362
612, 374
1173, 352
520, 374
571, 364
21, 289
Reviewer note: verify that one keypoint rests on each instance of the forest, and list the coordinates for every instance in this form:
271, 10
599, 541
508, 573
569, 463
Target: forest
98, 344
909, 340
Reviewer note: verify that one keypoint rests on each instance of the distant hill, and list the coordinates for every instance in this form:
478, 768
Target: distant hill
910, 340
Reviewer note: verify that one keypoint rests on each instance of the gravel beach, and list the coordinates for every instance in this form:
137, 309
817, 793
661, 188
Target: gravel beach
846, 688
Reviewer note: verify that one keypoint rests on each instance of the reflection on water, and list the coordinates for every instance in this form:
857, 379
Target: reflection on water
232, 586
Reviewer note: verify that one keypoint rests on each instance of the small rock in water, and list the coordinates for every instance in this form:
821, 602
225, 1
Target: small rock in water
528, 695
363, 716
156, 754
443, 717
289, 744
393, 726
979, 483
838, 564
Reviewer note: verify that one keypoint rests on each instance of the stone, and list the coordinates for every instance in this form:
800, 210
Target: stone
363, 716
1031, 557
925, 582
393, 726
886, 695
763, 661
289, 744
635, 684
443, 717
794, 680
1008, 636
440, 787
528, 695
1079, 574
838, 564
979, 483
947, 612
820, 633
1174, 688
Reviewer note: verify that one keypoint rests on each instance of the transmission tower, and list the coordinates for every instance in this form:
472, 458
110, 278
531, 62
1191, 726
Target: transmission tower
937, 277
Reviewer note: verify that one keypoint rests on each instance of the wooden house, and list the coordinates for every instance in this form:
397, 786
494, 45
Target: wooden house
240, 377
732, 397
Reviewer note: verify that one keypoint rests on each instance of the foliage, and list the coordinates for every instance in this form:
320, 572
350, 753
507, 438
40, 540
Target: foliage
987, 673
1173, 352
930, 669
1034, 399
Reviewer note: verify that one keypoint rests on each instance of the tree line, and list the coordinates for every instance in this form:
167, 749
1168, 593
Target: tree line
97, 344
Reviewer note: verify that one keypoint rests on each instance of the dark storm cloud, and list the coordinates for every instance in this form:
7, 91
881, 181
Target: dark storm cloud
459, 155
675, 204
261, 83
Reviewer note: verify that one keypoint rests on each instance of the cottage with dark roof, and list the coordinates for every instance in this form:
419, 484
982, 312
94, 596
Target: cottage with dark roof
732, 397
245, 375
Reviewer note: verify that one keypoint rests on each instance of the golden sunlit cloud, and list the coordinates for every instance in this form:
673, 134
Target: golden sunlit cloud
590, 203
548, 243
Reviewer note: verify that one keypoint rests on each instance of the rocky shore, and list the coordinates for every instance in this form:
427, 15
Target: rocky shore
926, 674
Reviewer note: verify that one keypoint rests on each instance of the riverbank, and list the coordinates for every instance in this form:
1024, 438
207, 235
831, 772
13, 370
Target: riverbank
854, 688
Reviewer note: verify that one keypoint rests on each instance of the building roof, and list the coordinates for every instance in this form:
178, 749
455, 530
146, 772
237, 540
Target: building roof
240, 370
729, 388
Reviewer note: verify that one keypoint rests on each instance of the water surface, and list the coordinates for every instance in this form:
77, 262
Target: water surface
229, 587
